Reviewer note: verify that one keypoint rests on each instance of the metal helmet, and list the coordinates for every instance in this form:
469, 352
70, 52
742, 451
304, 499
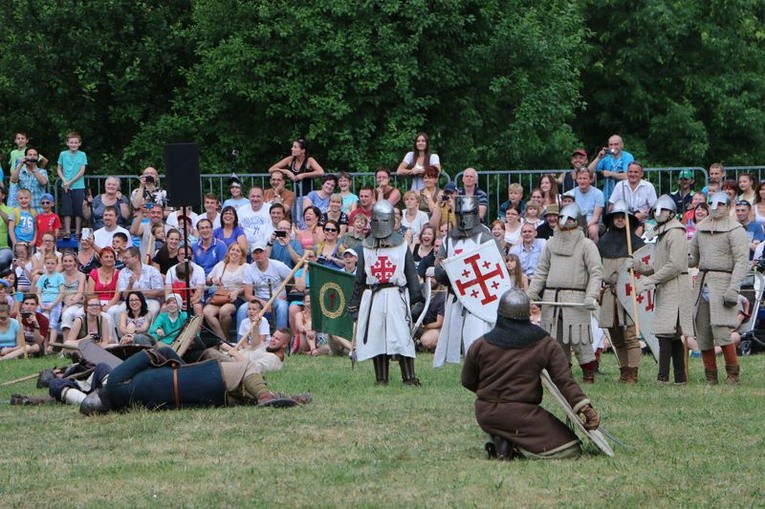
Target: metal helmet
381, 225
570, 211
664, 209
514, 304
719, 198
466, 208
93, 404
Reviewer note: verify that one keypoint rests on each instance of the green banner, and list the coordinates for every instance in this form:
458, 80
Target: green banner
331, 291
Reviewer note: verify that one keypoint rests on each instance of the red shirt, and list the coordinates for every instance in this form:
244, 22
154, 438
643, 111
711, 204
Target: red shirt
46, 223
29, 330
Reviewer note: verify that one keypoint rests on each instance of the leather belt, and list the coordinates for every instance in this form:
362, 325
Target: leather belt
175, 387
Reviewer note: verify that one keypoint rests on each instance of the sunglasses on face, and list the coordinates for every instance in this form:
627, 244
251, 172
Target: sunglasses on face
330, 230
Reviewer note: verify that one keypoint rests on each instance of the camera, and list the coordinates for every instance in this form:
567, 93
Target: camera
280, 234
149, 179
30, 159
25, 314
96, 338
609, 151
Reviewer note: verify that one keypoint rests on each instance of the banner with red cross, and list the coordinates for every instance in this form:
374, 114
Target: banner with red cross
645, 302
479, 278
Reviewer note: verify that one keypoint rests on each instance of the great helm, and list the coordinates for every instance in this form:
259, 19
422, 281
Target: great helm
570, 211
514, 304
381, 225
467, 212
664, 204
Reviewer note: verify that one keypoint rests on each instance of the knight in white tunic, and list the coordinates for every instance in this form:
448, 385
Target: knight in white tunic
460, 327
386, 286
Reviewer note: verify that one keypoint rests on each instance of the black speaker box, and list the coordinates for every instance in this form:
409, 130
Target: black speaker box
182, 181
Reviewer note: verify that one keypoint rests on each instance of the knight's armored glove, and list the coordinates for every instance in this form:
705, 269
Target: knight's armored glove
730, 298
642, 285
590, 304
590, 418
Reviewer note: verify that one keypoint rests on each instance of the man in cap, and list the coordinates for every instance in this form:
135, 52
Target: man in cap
569, 273
260, 280
684, 194
547, 229
460, 327
668, 273
503, 368
159, 379
567, 181
621, 328
385, 289
350, 260
720, 249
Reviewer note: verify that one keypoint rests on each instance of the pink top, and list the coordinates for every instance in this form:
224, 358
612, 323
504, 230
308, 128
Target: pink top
104, 292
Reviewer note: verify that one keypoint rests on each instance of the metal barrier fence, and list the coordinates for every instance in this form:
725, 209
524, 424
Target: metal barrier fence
493, 182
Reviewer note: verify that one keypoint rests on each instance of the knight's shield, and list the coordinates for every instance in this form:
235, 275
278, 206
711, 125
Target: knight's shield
645, 300
479, 278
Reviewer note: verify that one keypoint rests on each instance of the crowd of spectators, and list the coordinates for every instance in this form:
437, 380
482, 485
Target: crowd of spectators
123, 275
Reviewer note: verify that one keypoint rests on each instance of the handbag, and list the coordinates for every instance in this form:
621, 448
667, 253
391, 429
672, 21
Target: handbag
221, 295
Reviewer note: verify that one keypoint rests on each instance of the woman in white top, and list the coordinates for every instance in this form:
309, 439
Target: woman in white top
759, 204
412, 217
415, 162
227, 274
513, 226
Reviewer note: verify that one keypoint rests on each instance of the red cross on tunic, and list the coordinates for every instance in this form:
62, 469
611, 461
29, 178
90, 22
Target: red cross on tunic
383, 269
481, 279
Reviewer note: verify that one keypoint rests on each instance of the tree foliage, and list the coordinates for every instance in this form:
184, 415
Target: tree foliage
497, 84
684, 82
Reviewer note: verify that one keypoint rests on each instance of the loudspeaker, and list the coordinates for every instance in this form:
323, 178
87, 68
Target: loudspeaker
182, 182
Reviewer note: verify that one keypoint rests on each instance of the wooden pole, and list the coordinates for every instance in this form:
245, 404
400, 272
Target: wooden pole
632, 277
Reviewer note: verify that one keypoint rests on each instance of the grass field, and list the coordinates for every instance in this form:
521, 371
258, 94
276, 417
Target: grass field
362, 445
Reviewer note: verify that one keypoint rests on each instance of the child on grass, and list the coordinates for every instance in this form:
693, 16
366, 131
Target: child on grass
71, 170
47, 221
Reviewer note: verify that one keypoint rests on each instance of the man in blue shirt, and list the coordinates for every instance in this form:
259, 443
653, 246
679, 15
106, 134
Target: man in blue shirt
529, 249
590, 201
753, 229
611, 163
209, 250
281, 246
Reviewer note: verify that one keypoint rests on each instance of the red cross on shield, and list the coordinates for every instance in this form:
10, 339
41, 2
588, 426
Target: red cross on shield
479, 278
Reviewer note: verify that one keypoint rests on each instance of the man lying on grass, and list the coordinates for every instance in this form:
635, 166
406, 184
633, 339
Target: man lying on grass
159, 379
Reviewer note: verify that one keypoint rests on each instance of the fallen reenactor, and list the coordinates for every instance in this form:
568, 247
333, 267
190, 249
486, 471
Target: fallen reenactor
503, 368
159, 379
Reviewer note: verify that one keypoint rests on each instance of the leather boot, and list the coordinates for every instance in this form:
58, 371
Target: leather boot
407, 371
381, 369
733, 370
665, 356
634, 376
504, 449
624, 375
679, 359
631, 376
711, 376
588, 372
20, 399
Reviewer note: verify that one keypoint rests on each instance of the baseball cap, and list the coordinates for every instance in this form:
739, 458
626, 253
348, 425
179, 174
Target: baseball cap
450, 187
258, 244
47, 197
580, 151
686, 174
350, 252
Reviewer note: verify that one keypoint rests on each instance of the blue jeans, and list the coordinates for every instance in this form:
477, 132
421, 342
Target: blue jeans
280, 308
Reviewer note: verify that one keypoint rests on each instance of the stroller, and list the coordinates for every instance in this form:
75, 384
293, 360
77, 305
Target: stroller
753, 324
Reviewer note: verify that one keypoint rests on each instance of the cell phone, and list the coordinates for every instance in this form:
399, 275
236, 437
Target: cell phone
280, 234
87, 233
25, 314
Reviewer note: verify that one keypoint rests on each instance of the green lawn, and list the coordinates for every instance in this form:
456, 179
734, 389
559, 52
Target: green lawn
362, 445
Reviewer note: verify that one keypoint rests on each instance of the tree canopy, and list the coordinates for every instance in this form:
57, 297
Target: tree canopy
496, 84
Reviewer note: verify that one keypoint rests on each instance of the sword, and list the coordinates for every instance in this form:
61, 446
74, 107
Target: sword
612, 437
559, 304
425, 307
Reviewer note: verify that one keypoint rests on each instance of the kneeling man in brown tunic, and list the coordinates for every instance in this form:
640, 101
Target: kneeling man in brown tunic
503, 367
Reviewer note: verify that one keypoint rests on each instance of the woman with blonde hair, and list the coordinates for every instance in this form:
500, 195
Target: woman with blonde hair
227, 276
